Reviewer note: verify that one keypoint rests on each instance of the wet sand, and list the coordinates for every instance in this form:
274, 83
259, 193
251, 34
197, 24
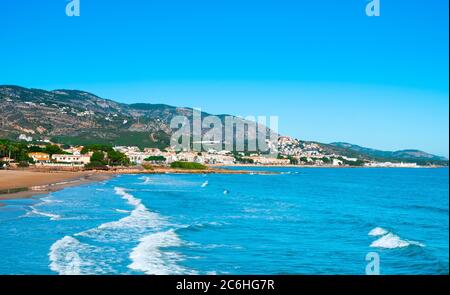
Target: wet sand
16, 184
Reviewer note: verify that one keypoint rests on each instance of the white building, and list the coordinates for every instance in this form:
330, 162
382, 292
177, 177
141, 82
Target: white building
72, 159
218, 159
26, 138
137, 157
269, 161
126, 149
391, 165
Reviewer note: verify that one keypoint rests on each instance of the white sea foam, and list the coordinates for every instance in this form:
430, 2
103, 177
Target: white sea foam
378, 231
126, 196
66, 258
138, 222
138, 218
149, 258
48, 200
146, 179
122, 211
70, 256
35, 211
392, 241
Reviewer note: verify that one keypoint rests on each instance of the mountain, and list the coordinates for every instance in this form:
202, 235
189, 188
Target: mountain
410, 155
79, 117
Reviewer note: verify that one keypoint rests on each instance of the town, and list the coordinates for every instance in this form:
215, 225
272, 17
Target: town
47, 154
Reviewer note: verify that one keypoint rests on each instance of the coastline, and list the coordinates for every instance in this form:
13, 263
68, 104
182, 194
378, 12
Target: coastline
27, 183
20, 184
324, 166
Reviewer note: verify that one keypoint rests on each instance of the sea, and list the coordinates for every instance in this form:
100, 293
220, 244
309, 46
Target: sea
319, 221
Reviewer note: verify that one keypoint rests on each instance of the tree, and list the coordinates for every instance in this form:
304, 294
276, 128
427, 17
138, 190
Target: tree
97, 161
116, 158
96, 147
292, 160
155, 159
53, 149
35, 149
304, 159
14, 150
188, 165
98, 156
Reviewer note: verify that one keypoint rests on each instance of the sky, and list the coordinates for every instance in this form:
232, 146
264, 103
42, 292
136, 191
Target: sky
328, 71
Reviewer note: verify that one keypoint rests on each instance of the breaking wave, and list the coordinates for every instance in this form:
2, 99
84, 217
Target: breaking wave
378, 231
146, 179
389, 240
66, 258
138, 222
35, 211
149, 258
69, 256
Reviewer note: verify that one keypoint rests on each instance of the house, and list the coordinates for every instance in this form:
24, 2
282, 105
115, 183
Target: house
39, 157
138, 157
127, 149
190, 157
74, 150
219, 159
269, 161
153, 151
72, 159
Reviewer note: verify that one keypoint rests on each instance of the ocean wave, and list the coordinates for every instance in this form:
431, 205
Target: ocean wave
138, 222
199, 226
126, 196
149, 258
66, 258
122, 211
378, 231
389, 240
146, 179
35, 211
69, 256
48, 200
428, 208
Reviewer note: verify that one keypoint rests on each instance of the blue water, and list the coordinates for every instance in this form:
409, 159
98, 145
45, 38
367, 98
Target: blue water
302, 221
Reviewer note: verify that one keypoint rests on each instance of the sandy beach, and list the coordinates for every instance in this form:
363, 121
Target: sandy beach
16, 184
25, 183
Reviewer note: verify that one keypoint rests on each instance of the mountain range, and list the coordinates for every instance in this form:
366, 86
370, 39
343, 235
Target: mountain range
409, 155
80, 117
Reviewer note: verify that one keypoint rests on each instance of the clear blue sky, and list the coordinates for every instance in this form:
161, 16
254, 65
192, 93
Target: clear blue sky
326, 69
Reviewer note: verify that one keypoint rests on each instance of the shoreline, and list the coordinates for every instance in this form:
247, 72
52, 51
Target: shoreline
27, 183
323, 166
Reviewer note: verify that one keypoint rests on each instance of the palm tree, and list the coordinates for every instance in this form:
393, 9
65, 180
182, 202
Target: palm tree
5, 148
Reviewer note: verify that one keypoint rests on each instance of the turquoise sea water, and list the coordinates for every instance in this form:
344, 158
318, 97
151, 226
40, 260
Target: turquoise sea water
302, 221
